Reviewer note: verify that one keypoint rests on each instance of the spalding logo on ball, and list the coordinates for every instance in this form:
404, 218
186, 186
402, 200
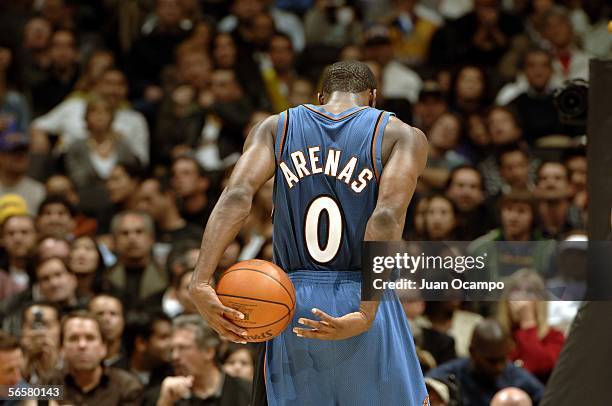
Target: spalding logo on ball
263, 293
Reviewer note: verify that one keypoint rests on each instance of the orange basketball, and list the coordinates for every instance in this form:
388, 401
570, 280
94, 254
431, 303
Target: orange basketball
263, 293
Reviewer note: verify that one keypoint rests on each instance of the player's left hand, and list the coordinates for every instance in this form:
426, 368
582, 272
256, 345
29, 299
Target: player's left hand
338, 328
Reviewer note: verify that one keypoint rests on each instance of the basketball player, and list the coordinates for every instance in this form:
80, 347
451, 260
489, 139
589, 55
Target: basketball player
344, 173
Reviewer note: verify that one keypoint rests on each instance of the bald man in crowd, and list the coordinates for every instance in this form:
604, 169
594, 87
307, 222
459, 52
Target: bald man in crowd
511, 397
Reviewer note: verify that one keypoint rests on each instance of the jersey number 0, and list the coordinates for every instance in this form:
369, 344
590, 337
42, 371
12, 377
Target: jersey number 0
327, 252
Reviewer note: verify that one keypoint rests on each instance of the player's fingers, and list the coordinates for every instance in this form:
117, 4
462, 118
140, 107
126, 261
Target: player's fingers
323, 316
309, 333
231, 336
229, 326
310, 323
228, 311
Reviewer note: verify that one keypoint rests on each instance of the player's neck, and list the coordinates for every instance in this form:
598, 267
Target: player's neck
338, 102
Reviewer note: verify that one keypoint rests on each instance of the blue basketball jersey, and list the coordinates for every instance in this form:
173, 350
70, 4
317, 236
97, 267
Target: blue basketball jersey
326, 185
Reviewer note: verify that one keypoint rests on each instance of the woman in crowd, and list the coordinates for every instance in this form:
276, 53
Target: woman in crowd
523, 313
85, 261
440, 219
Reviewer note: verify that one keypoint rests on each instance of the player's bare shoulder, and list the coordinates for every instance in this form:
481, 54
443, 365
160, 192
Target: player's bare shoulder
406, 139
265, 130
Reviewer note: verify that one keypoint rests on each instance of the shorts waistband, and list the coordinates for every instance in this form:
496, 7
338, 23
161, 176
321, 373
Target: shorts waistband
325, 277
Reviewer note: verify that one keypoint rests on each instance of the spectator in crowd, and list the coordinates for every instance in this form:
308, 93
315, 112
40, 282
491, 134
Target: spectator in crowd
33, 56
123, 180
19, 241
180, 259
238, 23
412, 26
569, 62
446, 317
191, 184
511, 397
398, 81
155, 50
400, 106
57, 285
469, 92
487, 370
444, 139
179, 122
279, 76
514, 167
238, 361
99, 61
576, 163
52, 247
40, 339
465, 188
14, 161
568, 282
85, 379
331, 24
301, 92
11, 361
440, 219
60, 75
518, 223
58, 14
147, 344
68, 120
430, 106
158, 200
14, 109
523, 314
198, 375
590, 24
56, 217
109, 311
433, 331
476, 145
199, 40
504, 129
86, 263
533, 97
481, 36
135, 276
556, 213
417, 232
225, 55
227, 113
90, 161
61, 185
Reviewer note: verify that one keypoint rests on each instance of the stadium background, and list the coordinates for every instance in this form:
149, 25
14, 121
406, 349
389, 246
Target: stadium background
121, 120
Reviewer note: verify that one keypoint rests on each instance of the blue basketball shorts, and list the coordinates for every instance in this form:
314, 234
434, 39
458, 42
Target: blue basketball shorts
376, 368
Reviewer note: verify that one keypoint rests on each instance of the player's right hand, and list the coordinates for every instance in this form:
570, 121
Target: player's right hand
207, 302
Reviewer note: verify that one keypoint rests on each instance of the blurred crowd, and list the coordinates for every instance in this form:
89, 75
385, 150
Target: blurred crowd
120, 122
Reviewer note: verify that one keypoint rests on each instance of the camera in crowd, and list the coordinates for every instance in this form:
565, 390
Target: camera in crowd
572, 102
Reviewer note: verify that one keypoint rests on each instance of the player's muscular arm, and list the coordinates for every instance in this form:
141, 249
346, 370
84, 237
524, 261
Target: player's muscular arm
404, 158
252, 170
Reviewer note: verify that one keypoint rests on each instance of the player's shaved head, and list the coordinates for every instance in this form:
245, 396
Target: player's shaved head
349, 77
511, 397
